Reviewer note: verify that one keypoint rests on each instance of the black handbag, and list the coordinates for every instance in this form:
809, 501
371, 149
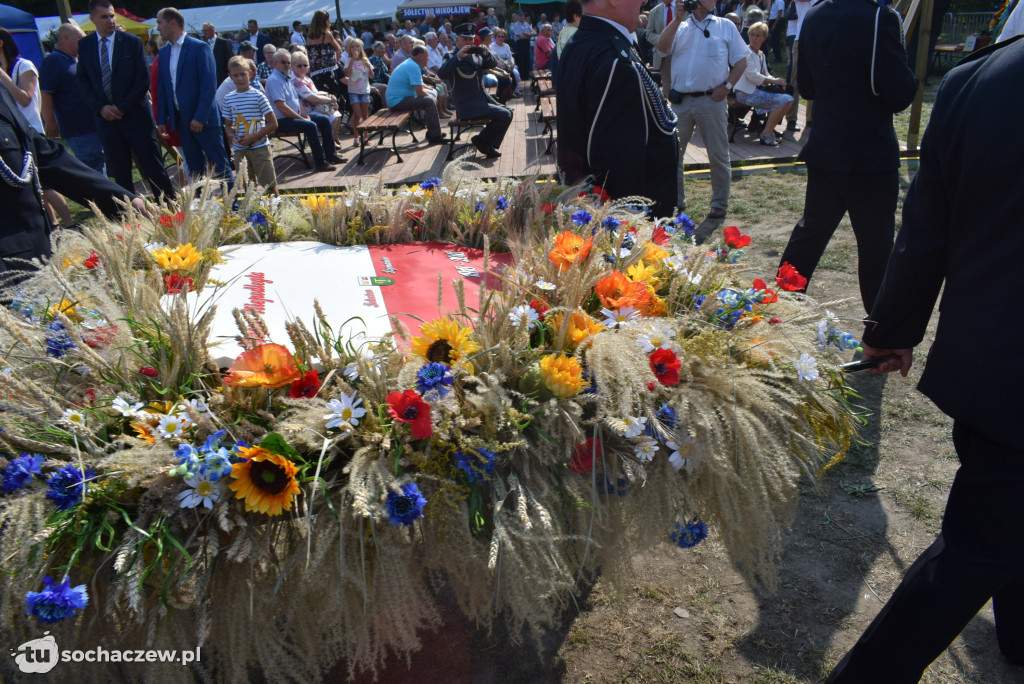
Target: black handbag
791, 11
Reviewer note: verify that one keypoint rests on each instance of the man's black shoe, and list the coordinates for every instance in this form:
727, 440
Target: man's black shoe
335, 159
324, 166
437, 139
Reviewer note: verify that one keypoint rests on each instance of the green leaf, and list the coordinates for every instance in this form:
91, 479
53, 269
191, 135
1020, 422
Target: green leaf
275, 444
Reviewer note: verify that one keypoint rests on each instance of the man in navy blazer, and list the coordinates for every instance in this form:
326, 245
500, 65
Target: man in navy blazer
120, 101
186, 102
259, 40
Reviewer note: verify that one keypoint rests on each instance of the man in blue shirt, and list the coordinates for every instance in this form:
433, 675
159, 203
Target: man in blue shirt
291, 117
62, 100
407, 92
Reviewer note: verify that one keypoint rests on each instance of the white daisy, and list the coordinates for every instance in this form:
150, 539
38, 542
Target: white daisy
806, 368
524, 311
646, 449
186, 421
545, 285
634, 425
658, 339
170, 426
345, 411
618, 318
124, 408
694, 277
352, 369
201, 491
674, 263
822, 330
73, 416
197, 404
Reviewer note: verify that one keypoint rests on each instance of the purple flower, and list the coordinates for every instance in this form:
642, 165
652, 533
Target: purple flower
56, 603
501, 203
404, 508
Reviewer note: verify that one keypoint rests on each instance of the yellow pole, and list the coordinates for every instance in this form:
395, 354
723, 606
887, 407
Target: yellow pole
924, 37
64, 10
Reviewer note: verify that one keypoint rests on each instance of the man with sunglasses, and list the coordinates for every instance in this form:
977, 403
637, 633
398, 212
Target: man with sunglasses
708, 58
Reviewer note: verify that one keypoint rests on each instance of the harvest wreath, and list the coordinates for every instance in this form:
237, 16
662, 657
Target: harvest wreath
610, 386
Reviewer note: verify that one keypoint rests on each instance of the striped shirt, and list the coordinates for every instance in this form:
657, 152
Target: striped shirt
247, 111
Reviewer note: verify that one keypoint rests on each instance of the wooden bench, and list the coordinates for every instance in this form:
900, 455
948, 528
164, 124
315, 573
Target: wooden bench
459, 126
544, 88
384, 121
294, 139
548, 116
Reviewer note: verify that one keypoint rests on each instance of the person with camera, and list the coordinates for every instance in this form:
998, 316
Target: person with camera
708, 59
466, 69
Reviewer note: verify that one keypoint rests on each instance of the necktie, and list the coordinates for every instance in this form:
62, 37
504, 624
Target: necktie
668, 13
105, 67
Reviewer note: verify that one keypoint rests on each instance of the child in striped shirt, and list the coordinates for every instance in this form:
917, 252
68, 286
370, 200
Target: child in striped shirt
249, 119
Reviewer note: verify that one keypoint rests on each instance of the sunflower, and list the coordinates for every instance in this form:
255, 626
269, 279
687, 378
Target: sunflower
581, 326
265, 481
562, 375
177, 259
267, 365
445, 342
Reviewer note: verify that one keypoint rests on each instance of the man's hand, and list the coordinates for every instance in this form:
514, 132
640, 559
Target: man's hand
464, 52
162, 130
140, 206
110, 113
52, 129
719, 93
196, 126
894, 359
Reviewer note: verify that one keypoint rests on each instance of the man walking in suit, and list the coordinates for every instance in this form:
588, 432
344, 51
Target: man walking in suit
187, 102
626, 142
221, 51
466, 69
949, 236
857, 84
259, 40
660, 17
115, 83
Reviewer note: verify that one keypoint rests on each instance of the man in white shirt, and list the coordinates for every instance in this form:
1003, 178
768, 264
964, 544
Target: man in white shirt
708, 58
777, 27
296, 36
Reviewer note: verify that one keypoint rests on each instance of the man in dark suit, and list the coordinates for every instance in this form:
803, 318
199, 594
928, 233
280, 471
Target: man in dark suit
259, 40
25, 230
466, 70
613, 123
852, 154
221, 51
959, 223
116, 90
186, 100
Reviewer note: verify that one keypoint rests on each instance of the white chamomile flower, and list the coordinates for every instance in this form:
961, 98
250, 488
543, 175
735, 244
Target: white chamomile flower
694, 277
622, 253
674, 263
186, 422
171, 426
197, 404
806, 368
352, 369
464, 192
201, 491
646, 449
658, 339
73, 417
617, 318
634, 425
524, 311
545, 285
345, 410
124, 408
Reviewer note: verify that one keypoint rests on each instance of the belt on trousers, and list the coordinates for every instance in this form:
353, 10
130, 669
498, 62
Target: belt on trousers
699, 94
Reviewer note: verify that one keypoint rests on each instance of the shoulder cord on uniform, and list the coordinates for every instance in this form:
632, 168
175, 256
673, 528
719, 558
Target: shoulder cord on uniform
664, 118
28, 174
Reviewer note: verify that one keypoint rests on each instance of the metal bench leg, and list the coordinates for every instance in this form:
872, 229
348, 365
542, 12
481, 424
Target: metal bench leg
362, 149
410, 131
394, 145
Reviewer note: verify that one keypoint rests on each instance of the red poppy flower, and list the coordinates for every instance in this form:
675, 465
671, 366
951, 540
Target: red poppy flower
177, 282
789, 278
774, 320
97, 337
173, 221
601, 193
734, 238
769, 296
540, 307
149, 371
665, 365
413, 215
583, 457
548, 208
661, 237
305, 387
409, 407
93, 261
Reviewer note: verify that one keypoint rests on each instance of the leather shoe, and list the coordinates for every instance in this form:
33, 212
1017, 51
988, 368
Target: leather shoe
335, 159
324, 166
437, 139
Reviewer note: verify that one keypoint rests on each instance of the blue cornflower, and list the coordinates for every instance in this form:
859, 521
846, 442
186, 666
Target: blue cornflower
699, 301
217, 464
479, 207
477, 464
689, 535
68, 486
684, 223
627, 242
434, 377
59, 344
620, 487
582, 217
404, 508
501, 203
257, 219
212, 442
667, 415
848, 341
430, 184
729, 297
56, 603
18, 474
611, 224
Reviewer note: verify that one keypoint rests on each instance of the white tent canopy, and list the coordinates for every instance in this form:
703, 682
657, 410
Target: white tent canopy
46, 24
441, 5
282, 13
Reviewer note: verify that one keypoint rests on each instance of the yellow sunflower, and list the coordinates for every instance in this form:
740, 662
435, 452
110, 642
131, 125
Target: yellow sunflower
318, 203
266, 481
445, 342
581, 326
562, 375
177, 259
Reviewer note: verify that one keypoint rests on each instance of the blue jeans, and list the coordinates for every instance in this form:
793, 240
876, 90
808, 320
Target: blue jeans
89, 150
204, 149
318, 132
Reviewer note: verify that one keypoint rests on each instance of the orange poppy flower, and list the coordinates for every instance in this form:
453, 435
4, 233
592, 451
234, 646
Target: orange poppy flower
569, 249
615, 291
268, 365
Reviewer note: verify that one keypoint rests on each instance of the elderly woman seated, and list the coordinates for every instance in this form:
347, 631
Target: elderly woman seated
750, 90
